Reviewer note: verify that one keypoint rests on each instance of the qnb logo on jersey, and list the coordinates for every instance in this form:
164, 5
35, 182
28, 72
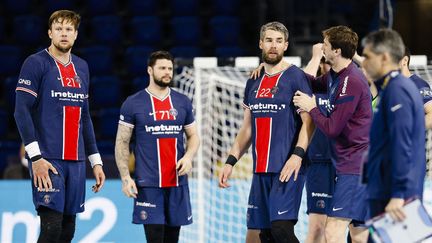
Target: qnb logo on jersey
164, 129
24, 81
145, 204
69, 96
260, 107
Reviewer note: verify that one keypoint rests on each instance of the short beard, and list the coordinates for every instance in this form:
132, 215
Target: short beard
161, 83
61, 49
271, 61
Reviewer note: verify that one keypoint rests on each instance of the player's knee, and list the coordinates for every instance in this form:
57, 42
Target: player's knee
283, 231
330, 235
51, 225
266, 236
68, 229
317, 228
154, 233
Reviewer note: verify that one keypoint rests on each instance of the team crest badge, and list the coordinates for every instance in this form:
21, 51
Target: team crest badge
143, 215
47, 199
274, 90
173, 112
77, 79
320, 204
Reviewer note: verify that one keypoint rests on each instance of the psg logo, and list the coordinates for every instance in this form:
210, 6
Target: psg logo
46, 199
274, 90
77, 79
320, 204
173, 112
143, 215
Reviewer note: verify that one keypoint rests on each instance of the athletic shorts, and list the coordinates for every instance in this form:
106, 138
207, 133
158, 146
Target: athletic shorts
68, 193
349, 199
271, 200
169, 206
320, 182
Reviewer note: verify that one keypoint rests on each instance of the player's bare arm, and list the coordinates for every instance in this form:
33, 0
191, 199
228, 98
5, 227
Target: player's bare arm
293, 164
122, 153
100, 178
314, 62
428, 115
184, 165
240, 146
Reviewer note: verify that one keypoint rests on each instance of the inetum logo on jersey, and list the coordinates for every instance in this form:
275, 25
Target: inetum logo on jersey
266, 107
68, 95
164, 129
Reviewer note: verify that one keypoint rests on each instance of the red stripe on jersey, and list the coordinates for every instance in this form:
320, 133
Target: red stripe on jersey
266, 85
167, 153
162, 109
68, 75
262, 143
71, 124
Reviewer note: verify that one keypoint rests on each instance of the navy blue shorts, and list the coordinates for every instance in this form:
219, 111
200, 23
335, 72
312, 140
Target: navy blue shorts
271, 200
320, 183
349, 199
68, 193
170, 206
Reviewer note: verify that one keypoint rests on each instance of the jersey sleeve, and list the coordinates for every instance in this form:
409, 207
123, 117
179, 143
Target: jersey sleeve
127, 117
246, 93
190, 119
303, 84
400, 120
425, 92
30, 76
345, 105
26, 97
88, 130
318, 84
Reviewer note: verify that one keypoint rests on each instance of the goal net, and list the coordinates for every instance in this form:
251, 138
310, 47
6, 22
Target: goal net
219, 214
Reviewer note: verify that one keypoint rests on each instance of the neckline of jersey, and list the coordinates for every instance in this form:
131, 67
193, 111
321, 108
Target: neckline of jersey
157, 97
57, 60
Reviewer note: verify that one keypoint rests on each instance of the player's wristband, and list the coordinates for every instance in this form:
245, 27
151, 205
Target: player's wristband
33, 150
231, 160
95, 159
36, 158
299, 151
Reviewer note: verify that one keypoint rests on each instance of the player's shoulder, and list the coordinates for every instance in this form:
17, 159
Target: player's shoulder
177, 95
37, 58
137, 96
78, 61
419, 81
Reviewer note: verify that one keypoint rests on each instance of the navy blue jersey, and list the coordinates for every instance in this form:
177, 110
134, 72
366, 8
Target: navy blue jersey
424, 88
350, 117
397, 162
274, 119
57, 98
319, 149
158, 128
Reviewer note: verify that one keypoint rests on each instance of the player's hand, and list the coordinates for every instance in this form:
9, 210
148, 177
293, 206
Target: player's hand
100, 178
256, 72
184, 166
292, 166
317, 51
129, 187
395, 209
41, 177
224, 176
304, 101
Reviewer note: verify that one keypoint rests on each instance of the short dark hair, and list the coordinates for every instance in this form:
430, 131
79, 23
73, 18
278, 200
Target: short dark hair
344, 38
386, 40
65, 15
275, 26
154, 56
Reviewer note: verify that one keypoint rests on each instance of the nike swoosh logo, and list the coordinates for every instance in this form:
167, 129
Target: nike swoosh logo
189, 218
342, 95
82, 205
279, 212
337, 209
